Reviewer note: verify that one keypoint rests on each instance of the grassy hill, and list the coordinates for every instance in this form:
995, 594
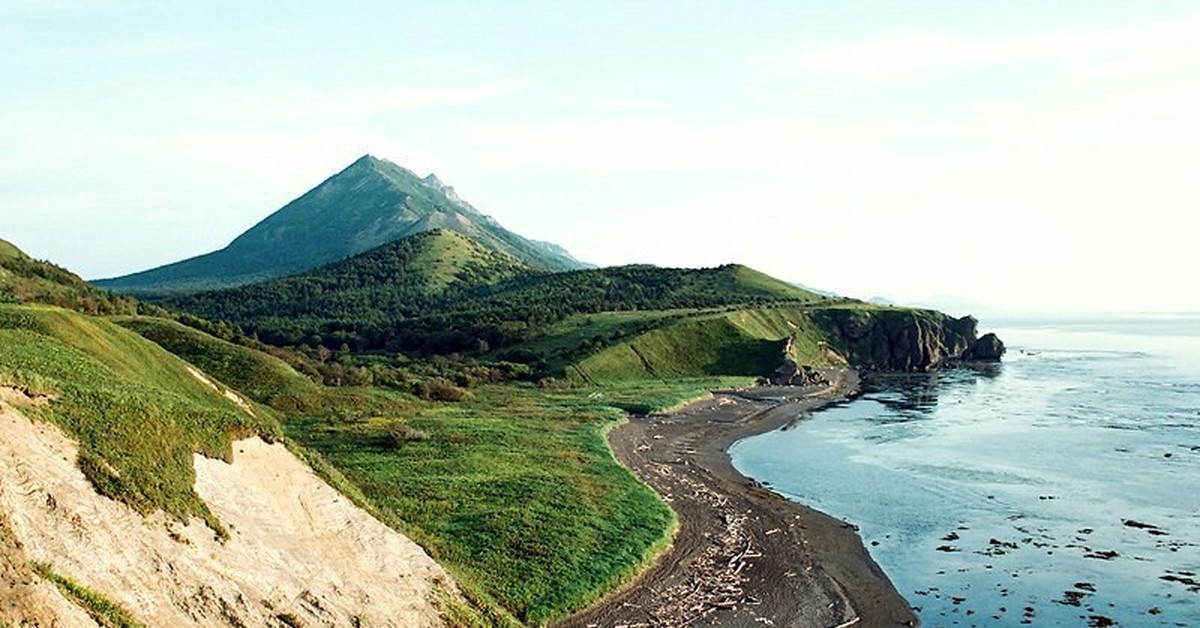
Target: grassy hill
9, 250
261, 377
512, 488
746, 342
370, 203
136, 410
26, 280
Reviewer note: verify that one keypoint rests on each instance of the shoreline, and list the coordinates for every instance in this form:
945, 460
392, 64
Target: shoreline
743, 555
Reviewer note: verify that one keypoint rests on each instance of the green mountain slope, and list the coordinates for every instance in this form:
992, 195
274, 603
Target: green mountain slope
8, 250
26, 280
136, 410
370, 203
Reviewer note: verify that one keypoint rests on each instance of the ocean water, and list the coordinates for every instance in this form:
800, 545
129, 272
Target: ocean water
1060, 488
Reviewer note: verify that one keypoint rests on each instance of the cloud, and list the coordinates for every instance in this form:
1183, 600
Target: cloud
905, 57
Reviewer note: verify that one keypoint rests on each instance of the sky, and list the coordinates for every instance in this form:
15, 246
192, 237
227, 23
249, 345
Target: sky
977, 155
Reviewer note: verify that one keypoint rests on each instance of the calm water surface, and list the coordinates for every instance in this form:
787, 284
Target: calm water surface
1060, 488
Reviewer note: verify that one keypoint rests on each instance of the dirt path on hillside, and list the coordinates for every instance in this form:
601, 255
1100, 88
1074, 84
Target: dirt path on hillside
744, 556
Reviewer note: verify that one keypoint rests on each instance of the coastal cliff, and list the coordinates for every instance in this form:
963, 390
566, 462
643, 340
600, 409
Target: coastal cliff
904, 339
784, 344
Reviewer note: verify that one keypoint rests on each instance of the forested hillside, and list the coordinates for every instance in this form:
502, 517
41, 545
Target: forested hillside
27, 280
440, 292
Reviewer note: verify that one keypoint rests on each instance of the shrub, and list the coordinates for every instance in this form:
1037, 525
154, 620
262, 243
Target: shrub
441, 389
403, 433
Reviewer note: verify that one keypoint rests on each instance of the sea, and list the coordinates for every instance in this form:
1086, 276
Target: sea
1058, 488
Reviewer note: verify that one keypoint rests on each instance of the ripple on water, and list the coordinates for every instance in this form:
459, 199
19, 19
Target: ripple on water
1005, 497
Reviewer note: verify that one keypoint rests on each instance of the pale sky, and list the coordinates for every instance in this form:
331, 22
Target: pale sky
1019, 155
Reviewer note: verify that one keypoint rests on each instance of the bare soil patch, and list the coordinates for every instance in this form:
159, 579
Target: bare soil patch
298, 549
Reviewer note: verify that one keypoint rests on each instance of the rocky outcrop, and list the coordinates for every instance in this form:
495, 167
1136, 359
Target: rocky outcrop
989, 348
904, 339
790, 373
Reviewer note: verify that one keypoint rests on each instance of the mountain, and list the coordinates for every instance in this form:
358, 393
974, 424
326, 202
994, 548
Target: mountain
370, 203
27, 280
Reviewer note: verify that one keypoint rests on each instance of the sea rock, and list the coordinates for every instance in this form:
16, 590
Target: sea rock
989, 348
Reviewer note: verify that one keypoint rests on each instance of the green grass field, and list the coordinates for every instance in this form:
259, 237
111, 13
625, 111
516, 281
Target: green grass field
516, 491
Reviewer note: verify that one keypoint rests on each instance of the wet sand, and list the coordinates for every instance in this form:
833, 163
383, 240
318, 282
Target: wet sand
744, 556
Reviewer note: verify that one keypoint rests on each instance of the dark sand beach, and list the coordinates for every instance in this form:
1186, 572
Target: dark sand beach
744, 556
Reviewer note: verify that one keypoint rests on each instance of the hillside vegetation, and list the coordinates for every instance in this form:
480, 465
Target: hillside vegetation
359, 301
261, 377
370, 203
136, 410
514, 490
747, 342
752, 341
394, 299
26, 280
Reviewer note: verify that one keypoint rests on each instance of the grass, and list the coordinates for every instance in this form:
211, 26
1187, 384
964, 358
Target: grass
746, 342
8, 250
456, 612
516, 492
739, 342
135, 410
262, 377
570, 340
447, 254
103, 611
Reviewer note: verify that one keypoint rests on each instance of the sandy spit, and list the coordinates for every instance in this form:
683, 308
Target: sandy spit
744, 556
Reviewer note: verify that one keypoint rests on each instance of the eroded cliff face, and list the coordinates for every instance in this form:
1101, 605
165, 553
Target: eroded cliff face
905, 340
299, 552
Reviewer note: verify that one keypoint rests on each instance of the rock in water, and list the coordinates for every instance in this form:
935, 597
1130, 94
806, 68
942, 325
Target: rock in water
989, 348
